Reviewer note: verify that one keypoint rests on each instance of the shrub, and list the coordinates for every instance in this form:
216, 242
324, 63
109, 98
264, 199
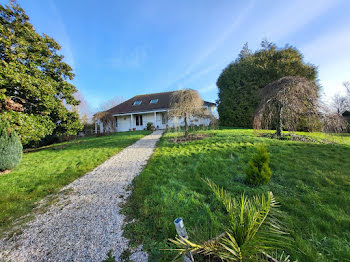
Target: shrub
252, 232
258, 171
149, 125
10, 148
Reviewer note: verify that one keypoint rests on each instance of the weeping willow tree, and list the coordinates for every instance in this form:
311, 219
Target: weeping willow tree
185, 104
285, 103
107, 120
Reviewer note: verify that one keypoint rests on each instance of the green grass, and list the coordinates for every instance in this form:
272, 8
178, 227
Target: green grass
48, 169
310, 180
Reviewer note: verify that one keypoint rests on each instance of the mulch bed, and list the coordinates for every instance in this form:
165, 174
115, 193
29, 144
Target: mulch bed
295, 137
58, 147
191, 137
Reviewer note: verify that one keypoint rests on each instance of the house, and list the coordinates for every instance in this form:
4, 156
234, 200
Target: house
346, 116
135, 113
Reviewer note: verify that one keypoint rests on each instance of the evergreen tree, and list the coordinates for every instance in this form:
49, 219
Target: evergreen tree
258, 171
10, 147
34, 81
241, 80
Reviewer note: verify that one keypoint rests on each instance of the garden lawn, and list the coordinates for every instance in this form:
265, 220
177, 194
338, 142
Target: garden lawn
310, 180
46, 170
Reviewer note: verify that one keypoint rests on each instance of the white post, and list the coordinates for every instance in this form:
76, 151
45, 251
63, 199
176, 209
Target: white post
155, 119
181, 231
131, 122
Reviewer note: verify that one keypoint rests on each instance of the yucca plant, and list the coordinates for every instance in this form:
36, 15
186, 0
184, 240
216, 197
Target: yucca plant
253, 230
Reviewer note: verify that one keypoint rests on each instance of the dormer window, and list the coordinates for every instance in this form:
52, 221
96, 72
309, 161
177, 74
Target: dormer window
153, 101
137, 103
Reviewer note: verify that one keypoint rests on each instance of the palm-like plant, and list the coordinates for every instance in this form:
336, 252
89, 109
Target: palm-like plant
253, 230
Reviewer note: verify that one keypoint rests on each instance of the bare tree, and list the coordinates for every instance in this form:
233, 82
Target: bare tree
285, 102
340, 103
347, 87
111, 103
83, 108
107, 120
332, 121
186, 103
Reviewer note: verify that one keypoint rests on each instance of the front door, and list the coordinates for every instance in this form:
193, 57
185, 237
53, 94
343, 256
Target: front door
139, 122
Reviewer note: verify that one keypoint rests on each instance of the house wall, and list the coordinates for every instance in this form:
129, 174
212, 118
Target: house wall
124, 123
192, 121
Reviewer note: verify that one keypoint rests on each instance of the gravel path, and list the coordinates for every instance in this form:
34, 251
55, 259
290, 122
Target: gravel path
85, 223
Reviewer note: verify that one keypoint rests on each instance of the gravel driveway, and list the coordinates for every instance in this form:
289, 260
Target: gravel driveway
85, 223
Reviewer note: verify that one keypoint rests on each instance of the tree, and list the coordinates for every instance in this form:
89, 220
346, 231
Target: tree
245, 52
334, 123
333, 120
285, 102
340, 103
83, 109
107, 120
111, 103
34, 81
10, 147
347, 87
186, 103
258, 171
241, 80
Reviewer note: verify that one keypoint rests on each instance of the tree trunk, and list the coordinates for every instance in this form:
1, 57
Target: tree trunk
279, 128
186, 126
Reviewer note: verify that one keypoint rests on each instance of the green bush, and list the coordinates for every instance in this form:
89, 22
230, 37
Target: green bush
10, 148
258, 171
149, 125
240, 82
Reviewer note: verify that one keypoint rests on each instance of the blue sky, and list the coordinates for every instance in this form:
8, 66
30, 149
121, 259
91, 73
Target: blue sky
125, 48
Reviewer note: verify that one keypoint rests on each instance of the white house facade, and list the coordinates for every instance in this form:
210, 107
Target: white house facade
135, 113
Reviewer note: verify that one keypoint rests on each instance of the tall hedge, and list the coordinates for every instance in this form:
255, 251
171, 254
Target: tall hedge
240, 81
10, 148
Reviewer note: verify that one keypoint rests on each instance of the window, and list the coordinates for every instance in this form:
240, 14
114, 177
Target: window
164, 118
153, 101
136, 103
139, 120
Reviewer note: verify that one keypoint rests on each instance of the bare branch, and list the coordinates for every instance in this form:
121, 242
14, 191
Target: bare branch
106, 119
111, 103
285, 102
186, 103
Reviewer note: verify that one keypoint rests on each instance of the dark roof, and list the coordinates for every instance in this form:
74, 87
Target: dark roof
163, 103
